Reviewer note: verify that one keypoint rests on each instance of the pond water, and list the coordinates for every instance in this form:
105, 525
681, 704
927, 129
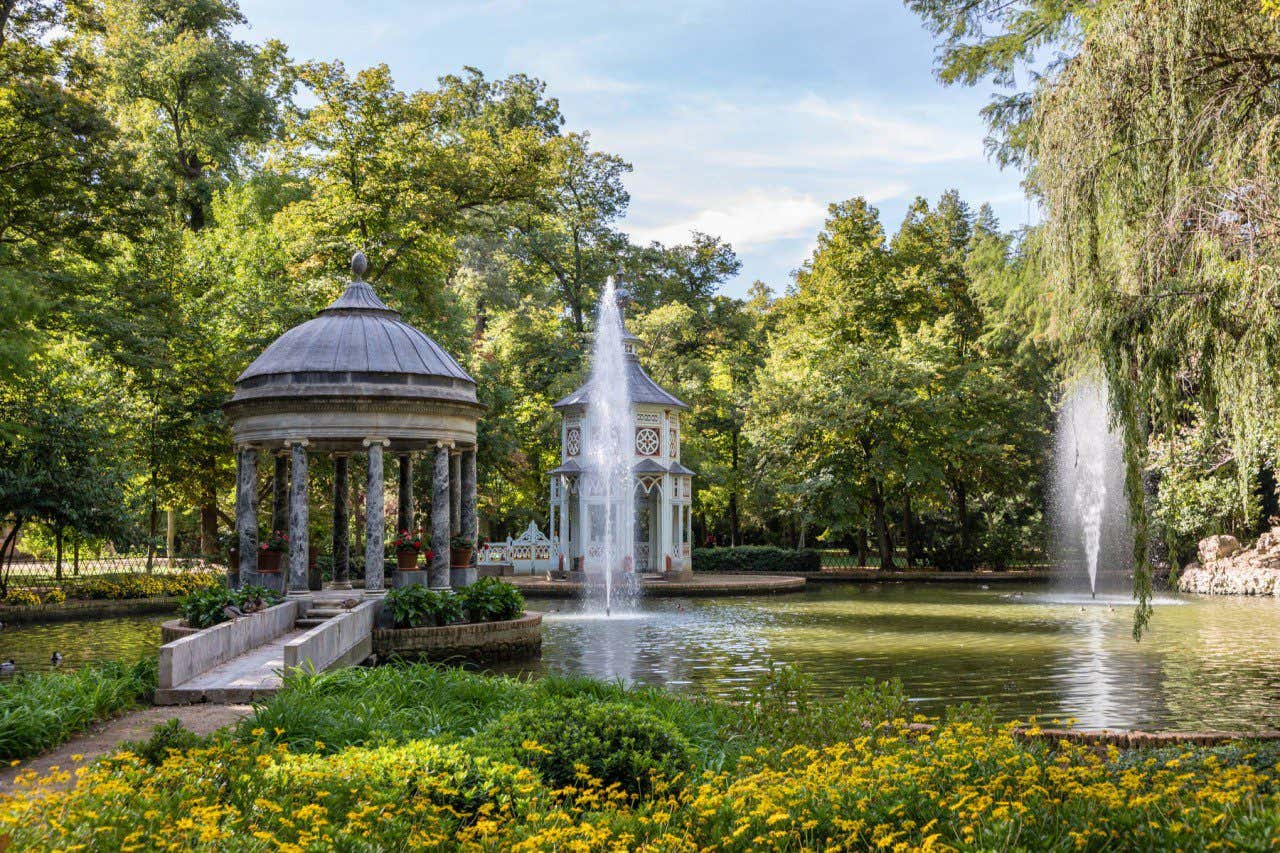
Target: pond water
1206, 663
124, 638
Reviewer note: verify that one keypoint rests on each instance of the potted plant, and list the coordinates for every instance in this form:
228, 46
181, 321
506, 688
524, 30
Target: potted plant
459, 552
408, 546
270, 551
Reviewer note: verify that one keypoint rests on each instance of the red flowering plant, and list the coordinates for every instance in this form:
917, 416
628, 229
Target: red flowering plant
407, 541
277, 541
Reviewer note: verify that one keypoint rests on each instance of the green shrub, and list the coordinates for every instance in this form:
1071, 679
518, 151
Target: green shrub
614, 741
119, 585
756, 558
204, 608
164, 740
41, 710
416, 606
492, 600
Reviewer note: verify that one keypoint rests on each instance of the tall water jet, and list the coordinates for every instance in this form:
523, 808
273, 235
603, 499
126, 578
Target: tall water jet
1090, 512
609, 433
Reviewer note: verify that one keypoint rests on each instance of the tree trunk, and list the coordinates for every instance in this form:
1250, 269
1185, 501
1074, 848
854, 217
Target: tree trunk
962, 517
860, 543
209, 511
7, 549
881, 524
908, 530
57, 539
734, 534
75, 553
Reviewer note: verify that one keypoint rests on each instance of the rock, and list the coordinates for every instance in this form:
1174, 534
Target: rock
1217, 547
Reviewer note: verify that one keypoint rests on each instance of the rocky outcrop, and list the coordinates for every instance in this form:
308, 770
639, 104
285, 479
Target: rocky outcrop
1227, 569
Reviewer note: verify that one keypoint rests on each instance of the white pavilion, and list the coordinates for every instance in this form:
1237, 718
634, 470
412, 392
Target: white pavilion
662, 487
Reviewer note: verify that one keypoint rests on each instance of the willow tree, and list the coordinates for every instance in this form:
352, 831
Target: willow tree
1150, 139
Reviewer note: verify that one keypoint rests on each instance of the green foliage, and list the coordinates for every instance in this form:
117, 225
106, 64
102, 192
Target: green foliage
119, 585
41, 710
784, 709
204, 608
491, 600
756, 558
612, 741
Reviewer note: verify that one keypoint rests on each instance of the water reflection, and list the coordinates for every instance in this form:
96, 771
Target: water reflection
1205, 663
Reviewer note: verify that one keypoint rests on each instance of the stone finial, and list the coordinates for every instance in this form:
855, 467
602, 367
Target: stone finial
359, 264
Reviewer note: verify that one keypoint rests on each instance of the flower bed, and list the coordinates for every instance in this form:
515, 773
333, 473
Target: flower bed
340, 760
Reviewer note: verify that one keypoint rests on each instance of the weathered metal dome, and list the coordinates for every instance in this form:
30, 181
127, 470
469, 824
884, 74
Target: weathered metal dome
354, 372
357, 346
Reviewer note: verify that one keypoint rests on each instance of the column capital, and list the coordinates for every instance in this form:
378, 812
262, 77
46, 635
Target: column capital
447, 445
371, 440
302, 442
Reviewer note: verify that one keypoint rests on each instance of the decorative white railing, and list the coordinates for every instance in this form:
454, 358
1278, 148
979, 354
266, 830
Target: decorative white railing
529, 553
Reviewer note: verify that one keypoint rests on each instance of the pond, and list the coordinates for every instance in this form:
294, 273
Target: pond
1206, 663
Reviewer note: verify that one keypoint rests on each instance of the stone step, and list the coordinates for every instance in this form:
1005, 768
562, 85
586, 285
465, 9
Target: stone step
308, 622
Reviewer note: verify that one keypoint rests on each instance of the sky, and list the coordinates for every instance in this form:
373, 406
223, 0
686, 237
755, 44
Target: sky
741, 119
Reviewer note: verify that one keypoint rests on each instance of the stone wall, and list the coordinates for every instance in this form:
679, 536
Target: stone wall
87, 609
1225, 568
477, 641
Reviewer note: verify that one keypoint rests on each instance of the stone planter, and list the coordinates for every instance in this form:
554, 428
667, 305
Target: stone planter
409, 577
406, 560
459, 558
175, 629
476, 642
269, 562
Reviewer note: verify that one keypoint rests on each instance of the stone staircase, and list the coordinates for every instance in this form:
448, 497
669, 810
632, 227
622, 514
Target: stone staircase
244, 660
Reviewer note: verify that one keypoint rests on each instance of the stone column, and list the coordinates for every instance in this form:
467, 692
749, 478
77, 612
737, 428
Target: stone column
439, 571
470, 526
374, 524
247, 513
455, 493
280, 492
404, 511
299, 516
469, 520
341, 525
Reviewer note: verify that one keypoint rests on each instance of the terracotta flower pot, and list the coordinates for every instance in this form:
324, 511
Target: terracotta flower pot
269, 561
406, 560
460, 557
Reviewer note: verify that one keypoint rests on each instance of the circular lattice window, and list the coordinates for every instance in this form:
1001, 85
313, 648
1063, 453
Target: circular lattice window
573, 441
647, 441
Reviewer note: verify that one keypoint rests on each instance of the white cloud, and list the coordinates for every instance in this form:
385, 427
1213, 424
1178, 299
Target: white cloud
756, 217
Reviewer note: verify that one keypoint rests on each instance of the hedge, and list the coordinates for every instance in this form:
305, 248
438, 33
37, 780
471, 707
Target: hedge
756, 558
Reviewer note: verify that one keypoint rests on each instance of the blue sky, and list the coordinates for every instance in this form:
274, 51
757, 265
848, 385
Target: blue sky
742, 119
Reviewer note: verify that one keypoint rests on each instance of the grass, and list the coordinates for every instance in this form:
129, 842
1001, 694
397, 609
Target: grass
413, 756
41, 710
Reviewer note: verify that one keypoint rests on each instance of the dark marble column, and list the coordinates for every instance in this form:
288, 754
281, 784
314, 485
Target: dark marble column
439, 571
280, 492
404, 513
341, 525
470, 520
247, 513
455, 493
374, 522
299, 517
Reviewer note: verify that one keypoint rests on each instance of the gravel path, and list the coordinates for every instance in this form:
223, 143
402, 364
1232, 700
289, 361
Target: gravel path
135, 725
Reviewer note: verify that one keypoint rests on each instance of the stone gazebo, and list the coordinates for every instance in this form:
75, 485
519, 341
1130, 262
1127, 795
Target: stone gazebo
662, 488
356, 379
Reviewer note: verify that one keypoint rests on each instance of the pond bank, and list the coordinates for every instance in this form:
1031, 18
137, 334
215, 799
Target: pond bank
105, 736
67, 611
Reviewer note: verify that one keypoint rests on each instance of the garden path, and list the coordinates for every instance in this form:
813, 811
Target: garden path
135, 725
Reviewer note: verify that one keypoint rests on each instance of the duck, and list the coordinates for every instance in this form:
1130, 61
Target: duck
55, 658
8, 666
984, 586
232, 612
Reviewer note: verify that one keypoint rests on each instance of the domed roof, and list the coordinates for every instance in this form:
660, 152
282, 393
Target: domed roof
355, 346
